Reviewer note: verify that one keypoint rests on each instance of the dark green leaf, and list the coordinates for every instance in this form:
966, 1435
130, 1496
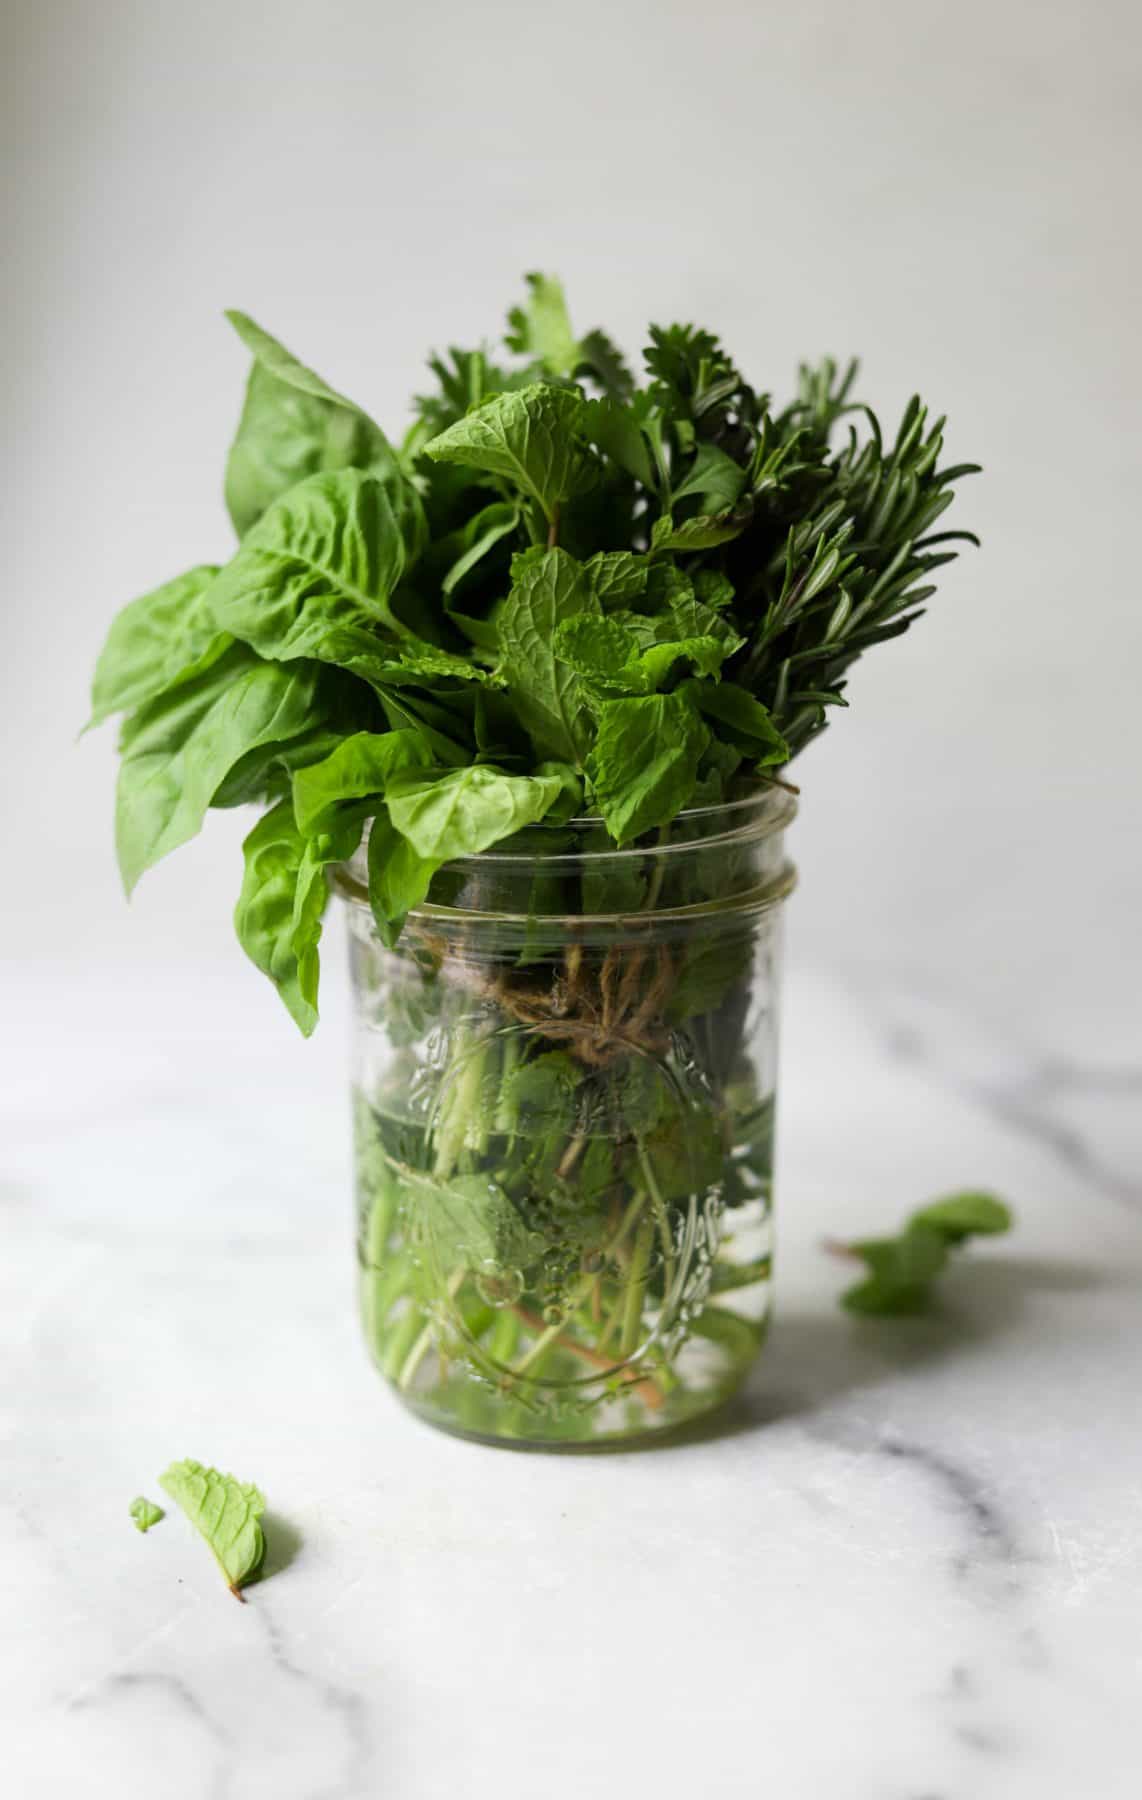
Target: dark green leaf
548, 587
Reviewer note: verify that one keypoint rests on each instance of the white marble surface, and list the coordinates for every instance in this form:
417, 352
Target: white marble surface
908, 1569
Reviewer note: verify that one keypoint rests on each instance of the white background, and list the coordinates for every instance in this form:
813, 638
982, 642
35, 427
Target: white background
910, 1565
950, 190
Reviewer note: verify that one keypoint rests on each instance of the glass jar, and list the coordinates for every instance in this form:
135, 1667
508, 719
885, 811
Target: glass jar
564, 1100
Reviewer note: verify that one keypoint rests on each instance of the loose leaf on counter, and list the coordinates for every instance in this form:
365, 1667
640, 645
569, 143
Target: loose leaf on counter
293, 425
226, 1512
901, 1270
145, 1513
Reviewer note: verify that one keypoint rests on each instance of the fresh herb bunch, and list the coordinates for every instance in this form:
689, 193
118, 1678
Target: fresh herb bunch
564, 593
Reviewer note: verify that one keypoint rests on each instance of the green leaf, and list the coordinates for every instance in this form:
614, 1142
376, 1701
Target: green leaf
548, 587
292, 426
145, 1513
645, 762
601, 359
525, 437
482, 533
177, 750
541, 328
336, 843
713, 477
317, 574
617, 578
901, 1270
615, 431
464, 811
606, 655
704, 532
225, 1512
162, 638
471, 1220
961, 1216
741, 720
265, 915
360, 766
399, 878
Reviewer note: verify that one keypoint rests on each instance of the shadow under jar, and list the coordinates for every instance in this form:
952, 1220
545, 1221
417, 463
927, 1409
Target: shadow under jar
564, 1100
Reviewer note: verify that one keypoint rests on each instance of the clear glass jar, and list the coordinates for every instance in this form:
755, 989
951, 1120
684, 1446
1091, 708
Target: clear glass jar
564, 1093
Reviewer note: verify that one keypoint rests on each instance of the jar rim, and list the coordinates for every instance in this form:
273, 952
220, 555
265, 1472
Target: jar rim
726, 828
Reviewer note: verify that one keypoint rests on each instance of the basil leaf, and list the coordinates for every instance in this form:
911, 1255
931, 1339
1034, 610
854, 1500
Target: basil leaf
399, 877
293, 425
467, 810
159, 639
548, 587
360, 766
226, 1512
645, 762
264, 917
524, 437
176, 752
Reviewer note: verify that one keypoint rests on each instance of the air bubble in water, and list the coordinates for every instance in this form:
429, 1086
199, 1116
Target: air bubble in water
500, 1287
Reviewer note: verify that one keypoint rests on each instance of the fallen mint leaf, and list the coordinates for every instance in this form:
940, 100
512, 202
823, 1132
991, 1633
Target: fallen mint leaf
145, 1513
902, 1269
224, 1511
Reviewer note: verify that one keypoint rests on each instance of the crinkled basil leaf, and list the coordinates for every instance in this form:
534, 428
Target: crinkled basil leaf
159, 639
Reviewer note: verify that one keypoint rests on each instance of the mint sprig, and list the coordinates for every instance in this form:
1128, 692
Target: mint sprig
902, 1269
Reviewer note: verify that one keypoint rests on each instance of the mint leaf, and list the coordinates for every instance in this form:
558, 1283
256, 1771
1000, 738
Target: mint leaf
966, 1215
469, 1219
703, 532
548, 587
293, 425
901, 1270
742, 720
464, 811
145, 1513
316, 575
644, 762
176, 751
360, 765
225, 1512
524, 437
161, 638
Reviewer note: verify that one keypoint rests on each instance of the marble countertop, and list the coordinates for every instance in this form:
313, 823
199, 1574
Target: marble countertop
906, 1567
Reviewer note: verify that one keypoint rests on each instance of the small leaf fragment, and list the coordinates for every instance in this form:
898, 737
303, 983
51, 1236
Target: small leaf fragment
145, 1513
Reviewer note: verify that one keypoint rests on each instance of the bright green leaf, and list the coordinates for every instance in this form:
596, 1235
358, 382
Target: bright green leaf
548, 587
360, 766
464, 811
162, 638
145, 1513
226, 1513
176, 752
645, 762
292, 426
524, 437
